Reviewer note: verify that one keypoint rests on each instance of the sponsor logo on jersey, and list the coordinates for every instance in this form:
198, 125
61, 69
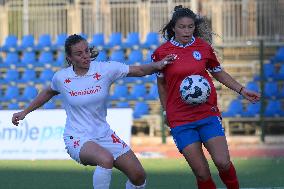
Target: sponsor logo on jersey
214, 109
67, 80
84, 92
196, 55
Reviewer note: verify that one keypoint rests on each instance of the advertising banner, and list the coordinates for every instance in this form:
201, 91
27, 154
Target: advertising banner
40, 134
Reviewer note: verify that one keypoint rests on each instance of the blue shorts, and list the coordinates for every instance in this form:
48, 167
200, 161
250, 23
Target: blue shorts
198, 131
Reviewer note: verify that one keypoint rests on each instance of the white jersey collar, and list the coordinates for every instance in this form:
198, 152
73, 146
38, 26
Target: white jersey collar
175, 43
73, 74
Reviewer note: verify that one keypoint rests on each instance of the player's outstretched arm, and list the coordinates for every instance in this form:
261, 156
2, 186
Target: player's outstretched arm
44, 96
224, 78
147, 69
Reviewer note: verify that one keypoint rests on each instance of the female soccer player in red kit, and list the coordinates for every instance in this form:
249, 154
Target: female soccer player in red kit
195, 125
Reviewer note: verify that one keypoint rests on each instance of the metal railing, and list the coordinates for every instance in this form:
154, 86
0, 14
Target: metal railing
236, 22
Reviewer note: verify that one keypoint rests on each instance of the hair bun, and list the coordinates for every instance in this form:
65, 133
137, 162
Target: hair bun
177, 7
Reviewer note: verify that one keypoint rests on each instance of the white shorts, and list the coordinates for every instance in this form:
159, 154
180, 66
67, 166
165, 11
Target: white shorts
110, 142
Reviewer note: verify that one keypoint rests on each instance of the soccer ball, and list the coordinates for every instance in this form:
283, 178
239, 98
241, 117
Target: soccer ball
195, 89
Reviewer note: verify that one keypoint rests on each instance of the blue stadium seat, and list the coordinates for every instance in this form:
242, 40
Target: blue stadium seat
27, 43
29, 75
269, 71
1, 61
117, 55
109, 104
280, 74
235, 109
135, 57
153, 93
28, 59
253, 86
122, 104
252, 110
140, 109
2, 81
44, 42
270, 90
132, 41
57, 98
115, 40
149, 78
45, 76
126, 80
273, 109
98, 41
11, 94
102, 56
120, 92
12, 76
30, 92
50, 105
279, 56
281, 93
148, 58
13, 106
152, 41
138, 92
11, 59
10, 44
60, 41
60, 60
45, 59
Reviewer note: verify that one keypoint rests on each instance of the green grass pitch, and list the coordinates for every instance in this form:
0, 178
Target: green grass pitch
161, 174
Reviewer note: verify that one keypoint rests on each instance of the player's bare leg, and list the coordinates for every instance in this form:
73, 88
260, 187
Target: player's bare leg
218, 149
132, 168
93, 154
196, 159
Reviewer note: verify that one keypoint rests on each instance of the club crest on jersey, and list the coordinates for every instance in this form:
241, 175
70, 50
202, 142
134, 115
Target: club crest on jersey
196, 55
97, 76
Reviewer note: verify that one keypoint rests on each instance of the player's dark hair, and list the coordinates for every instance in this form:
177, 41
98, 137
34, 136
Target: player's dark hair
74, 39
202, 29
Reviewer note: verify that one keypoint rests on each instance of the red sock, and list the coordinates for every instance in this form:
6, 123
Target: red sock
207, 184
229, 177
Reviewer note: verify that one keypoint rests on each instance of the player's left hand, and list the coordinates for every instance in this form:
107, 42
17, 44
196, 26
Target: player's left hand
250, 95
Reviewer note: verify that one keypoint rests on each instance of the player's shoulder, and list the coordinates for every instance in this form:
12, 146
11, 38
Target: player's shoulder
202, 43
63, 71
163, 47
106, 65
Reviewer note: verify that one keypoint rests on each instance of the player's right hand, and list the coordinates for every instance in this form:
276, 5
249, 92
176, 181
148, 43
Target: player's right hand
17, 117
165, 61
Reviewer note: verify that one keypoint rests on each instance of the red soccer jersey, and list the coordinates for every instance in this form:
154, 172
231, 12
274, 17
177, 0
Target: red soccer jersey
195, 58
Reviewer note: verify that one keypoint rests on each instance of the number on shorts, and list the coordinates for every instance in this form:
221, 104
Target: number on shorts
115, 139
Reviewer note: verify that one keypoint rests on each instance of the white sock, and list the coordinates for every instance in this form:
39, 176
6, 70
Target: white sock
102, 178
129, 185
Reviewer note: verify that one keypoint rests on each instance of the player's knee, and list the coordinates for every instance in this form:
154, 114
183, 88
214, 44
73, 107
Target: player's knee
222, 163
202, 173
138, 177
202, 176
107, 162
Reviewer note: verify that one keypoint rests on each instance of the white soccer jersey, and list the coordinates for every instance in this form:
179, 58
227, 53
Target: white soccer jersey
85, 97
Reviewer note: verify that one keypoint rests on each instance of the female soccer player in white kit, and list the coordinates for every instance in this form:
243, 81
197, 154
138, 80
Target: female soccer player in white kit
85, 86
